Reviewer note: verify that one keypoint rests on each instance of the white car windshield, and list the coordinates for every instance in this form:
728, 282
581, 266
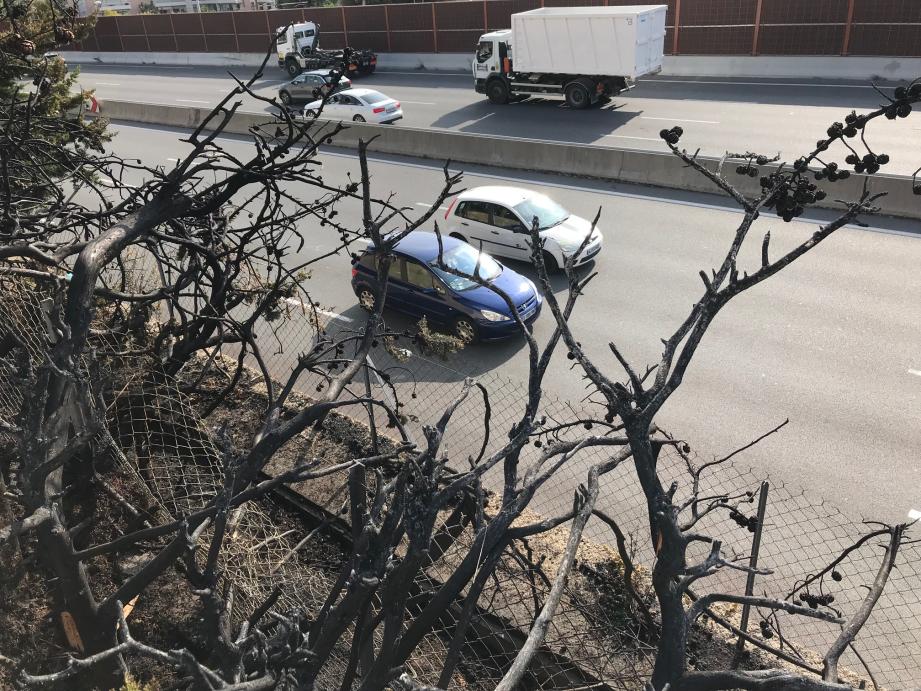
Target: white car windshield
547, 211
464, 258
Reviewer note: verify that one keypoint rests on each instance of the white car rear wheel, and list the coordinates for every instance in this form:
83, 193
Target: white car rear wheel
358, 118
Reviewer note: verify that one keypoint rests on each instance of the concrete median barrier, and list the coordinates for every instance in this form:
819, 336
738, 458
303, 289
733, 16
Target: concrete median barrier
659, 169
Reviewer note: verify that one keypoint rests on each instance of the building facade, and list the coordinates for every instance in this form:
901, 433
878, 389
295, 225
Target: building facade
109, 7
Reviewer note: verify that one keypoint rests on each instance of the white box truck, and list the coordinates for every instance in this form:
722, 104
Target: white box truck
585, 54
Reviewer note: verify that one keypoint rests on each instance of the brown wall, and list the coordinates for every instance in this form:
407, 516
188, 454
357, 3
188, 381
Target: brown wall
694, 27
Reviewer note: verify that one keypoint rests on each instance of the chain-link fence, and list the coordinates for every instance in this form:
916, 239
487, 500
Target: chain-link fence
802, 532
170, 451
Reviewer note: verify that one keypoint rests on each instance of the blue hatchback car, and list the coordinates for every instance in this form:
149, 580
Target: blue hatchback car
419, 288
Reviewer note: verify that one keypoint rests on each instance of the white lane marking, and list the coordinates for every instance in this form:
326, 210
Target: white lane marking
914, 515
107, 84
189, 100
84, 65
418, 103
422, 73
696, 81
173, 159
627, 136
915, 372
429, 206
702, 122
325, 313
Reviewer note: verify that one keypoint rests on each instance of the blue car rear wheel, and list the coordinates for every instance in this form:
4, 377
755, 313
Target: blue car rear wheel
366, 298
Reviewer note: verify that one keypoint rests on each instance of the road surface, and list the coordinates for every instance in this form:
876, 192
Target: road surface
784, 116
832, 342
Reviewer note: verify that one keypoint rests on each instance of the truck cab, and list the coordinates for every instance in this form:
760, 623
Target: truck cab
294, 42
492, 50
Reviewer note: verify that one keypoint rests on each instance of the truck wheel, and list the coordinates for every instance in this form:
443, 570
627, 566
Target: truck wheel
577, 96
497, 92
292, 68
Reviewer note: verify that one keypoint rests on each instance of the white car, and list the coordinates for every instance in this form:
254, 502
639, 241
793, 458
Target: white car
359, 105
501, 218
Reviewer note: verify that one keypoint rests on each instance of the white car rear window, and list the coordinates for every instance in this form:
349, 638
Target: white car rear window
374, 98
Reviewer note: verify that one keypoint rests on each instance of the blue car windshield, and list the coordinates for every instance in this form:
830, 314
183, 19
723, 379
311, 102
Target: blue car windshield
547, 211
464, 258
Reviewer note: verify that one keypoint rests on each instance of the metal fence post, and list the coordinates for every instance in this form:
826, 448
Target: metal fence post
387, 26
753, 564
676, 27
371, 423
757, 30
846, 45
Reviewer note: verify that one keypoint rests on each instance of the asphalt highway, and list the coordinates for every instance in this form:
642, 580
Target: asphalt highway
832, 342
718, 115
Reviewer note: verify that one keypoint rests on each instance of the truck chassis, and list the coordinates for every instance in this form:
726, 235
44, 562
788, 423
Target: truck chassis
579, 91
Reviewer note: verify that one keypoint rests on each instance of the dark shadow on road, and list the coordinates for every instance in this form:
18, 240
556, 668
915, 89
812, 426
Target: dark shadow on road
799, 92
535, 117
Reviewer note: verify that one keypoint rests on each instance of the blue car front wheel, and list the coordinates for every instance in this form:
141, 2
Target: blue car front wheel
465, 330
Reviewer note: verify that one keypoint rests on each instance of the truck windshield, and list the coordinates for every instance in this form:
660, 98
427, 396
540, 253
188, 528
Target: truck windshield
464, 258
484, 51
547, 211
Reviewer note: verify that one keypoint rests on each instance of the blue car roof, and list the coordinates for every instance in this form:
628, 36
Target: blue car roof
422, 245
